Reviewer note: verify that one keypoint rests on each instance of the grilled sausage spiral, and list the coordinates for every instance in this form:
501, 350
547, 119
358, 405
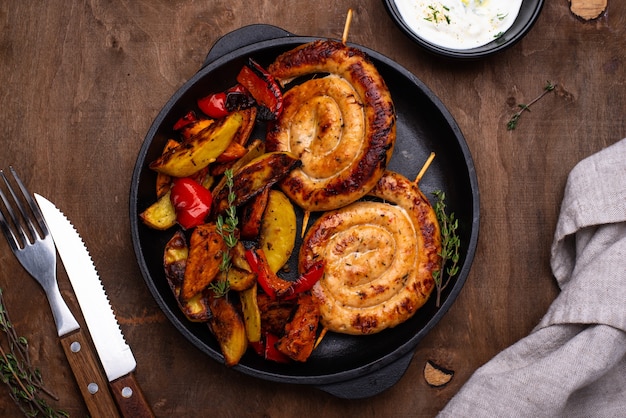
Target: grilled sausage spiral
379, 255
342, 125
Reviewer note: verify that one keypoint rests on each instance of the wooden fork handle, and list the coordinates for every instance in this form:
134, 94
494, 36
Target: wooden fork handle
89, 375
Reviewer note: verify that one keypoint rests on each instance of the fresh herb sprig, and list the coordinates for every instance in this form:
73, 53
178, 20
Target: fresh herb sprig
226, 227
512, 123
450, 244
17, 372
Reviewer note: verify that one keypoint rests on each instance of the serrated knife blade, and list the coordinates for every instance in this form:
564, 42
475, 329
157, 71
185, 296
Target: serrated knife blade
115, 355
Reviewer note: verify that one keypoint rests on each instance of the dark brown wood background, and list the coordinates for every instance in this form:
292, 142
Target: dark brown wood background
81, 81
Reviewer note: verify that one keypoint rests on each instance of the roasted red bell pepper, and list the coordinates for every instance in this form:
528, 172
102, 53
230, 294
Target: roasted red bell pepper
271, 284
262, 86
185, 120
266, 348
214, 105
191, 201
306, 280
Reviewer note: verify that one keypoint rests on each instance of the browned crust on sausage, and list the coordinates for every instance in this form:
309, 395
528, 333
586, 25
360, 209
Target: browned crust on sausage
352, 302
369, 164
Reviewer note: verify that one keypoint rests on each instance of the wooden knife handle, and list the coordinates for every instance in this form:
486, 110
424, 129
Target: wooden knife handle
91, 379
130, 398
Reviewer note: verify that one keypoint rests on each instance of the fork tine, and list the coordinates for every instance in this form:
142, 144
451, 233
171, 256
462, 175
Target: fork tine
4, 223
27, 219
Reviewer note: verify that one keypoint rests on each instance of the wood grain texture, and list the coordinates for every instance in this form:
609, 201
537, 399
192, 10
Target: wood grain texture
81, 82
90, 377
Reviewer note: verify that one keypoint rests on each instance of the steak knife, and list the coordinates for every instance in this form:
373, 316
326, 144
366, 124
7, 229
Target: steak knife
115, 355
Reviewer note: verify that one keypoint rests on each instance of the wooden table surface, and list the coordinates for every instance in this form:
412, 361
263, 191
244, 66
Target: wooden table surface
81, 82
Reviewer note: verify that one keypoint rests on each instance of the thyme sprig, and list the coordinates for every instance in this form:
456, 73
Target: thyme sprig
17, 372
226, 227
450, 244
512, 123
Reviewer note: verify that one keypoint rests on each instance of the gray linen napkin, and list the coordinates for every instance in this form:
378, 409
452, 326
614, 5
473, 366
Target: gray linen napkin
573, 364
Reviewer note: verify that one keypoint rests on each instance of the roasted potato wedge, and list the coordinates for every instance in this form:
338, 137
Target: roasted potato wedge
197, 309
199, 150
278, 230
161, 214
175, 257
238, 257
238, 279
247, 125
251, 313
175, 260
228, 328
252, 215
206, 249
252, 178
254, 150
164, 181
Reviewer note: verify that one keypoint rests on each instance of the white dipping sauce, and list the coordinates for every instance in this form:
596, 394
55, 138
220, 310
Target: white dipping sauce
459, 24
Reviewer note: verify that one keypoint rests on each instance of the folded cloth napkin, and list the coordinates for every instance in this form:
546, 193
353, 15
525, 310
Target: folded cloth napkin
573, 364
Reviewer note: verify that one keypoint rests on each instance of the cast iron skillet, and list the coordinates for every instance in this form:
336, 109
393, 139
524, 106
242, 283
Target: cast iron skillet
345, 366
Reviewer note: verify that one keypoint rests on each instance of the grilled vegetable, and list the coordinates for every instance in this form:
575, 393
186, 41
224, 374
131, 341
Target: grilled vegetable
252, 215
161, 214
199, 150
206, 248
191, 201
229, 330
214, 105
271, 284
253, 177
262, 87
175, 256
278, 230
251, 313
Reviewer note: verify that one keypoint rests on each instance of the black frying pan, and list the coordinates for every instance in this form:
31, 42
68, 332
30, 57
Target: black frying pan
345, 366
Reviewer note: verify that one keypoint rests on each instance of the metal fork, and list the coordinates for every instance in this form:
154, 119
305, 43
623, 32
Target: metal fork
26, 231
34, 248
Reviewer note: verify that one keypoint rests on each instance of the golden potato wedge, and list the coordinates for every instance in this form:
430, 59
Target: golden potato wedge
199, 150
197, 309
247, 126
238, 279
251, 313
229, 330
206, 249
254, 150
255, 176
163, 181
238, 257
175, 257
252, 215
278, 230
161, 214
175, 260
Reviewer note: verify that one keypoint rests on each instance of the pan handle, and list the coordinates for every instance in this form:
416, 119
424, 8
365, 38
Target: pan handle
370, 384
241, 37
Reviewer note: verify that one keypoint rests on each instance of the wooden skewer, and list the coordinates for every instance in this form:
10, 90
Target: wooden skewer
346, 28
320, 337
305, 222
430, 159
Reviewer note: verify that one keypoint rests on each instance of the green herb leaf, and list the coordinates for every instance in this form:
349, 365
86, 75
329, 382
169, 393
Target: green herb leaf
512, 123
450, 245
